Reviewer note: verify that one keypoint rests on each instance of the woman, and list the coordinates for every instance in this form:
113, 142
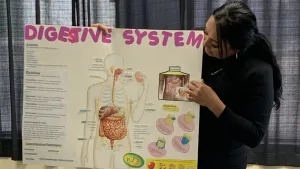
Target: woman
241, 83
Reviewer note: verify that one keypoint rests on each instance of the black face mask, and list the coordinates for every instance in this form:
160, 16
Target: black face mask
209, 65
212, 65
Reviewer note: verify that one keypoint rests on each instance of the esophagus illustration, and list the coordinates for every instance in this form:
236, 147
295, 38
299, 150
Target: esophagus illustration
172, 84
157, 149
109, 102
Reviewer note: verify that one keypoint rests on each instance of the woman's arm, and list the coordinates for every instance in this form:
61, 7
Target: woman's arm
257, 107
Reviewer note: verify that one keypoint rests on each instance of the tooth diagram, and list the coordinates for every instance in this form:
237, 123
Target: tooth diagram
157, 149
186, 122
181, 143
165, 125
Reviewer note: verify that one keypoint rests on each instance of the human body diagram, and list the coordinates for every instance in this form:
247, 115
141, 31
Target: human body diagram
113, 107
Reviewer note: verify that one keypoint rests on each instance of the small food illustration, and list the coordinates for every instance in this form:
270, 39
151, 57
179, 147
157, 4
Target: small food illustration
191, 167
180, 166
151, 165
181, 143
162, 166
133, 160
165, 125
186, 122
157, 149
172, 166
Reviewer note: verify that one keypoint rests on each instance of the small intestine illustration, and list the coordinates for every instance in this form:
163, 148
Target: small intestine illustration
112, 124
165, 125
181, 143
186, 122
157, 149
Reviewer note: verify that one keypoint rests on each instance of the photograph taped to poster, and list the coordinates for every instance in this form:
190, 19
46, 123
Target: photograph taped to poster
115, 100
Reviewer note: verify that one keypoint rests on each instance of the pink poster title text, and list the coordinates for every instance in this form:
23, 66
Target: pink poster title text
130, 36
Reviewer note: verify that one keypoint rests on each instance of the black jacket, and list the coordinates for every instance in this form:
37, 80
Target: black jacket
245, 85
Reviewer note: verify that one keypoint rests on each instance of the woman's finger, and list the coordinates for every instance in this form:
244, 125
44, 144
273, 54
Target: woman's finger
188, 91
190, 98
101, 27
191, 86
196, 83
191, 93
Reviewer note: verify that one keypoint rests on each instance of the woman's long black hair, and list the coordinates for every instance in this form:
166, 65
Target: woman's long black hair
236, 24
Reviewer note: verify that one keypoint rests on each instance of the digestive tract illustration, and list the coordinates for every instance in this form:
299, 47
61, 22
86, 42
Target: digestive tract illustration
110, 103
172, 84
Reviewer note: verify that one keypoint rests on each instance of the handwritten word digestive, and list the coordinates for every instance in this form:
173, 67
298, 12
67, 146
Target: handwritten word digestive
130, 36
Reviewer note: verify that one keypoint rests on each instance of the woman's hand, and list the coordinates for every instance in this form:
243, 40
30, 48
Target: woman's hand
204, 95
101, 27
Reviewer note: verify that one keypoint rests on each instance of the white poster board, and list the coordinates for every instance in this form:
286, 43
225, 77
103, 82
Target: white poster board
113, 100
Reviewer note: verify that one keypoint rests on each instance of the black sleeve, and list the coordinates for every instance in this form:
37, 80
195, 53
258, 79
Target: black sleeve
257, 106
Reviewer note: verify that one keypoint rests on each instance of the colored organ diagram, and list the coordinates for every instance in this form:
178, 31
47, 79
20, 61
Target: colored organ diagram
172, 84
112, 123
157, 149
109, 101
165, 125
133, 160
186, 122
181, 143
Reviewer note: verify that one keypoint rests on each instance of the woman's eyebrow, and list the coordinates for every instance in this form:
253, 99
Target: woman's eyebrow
205, 31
